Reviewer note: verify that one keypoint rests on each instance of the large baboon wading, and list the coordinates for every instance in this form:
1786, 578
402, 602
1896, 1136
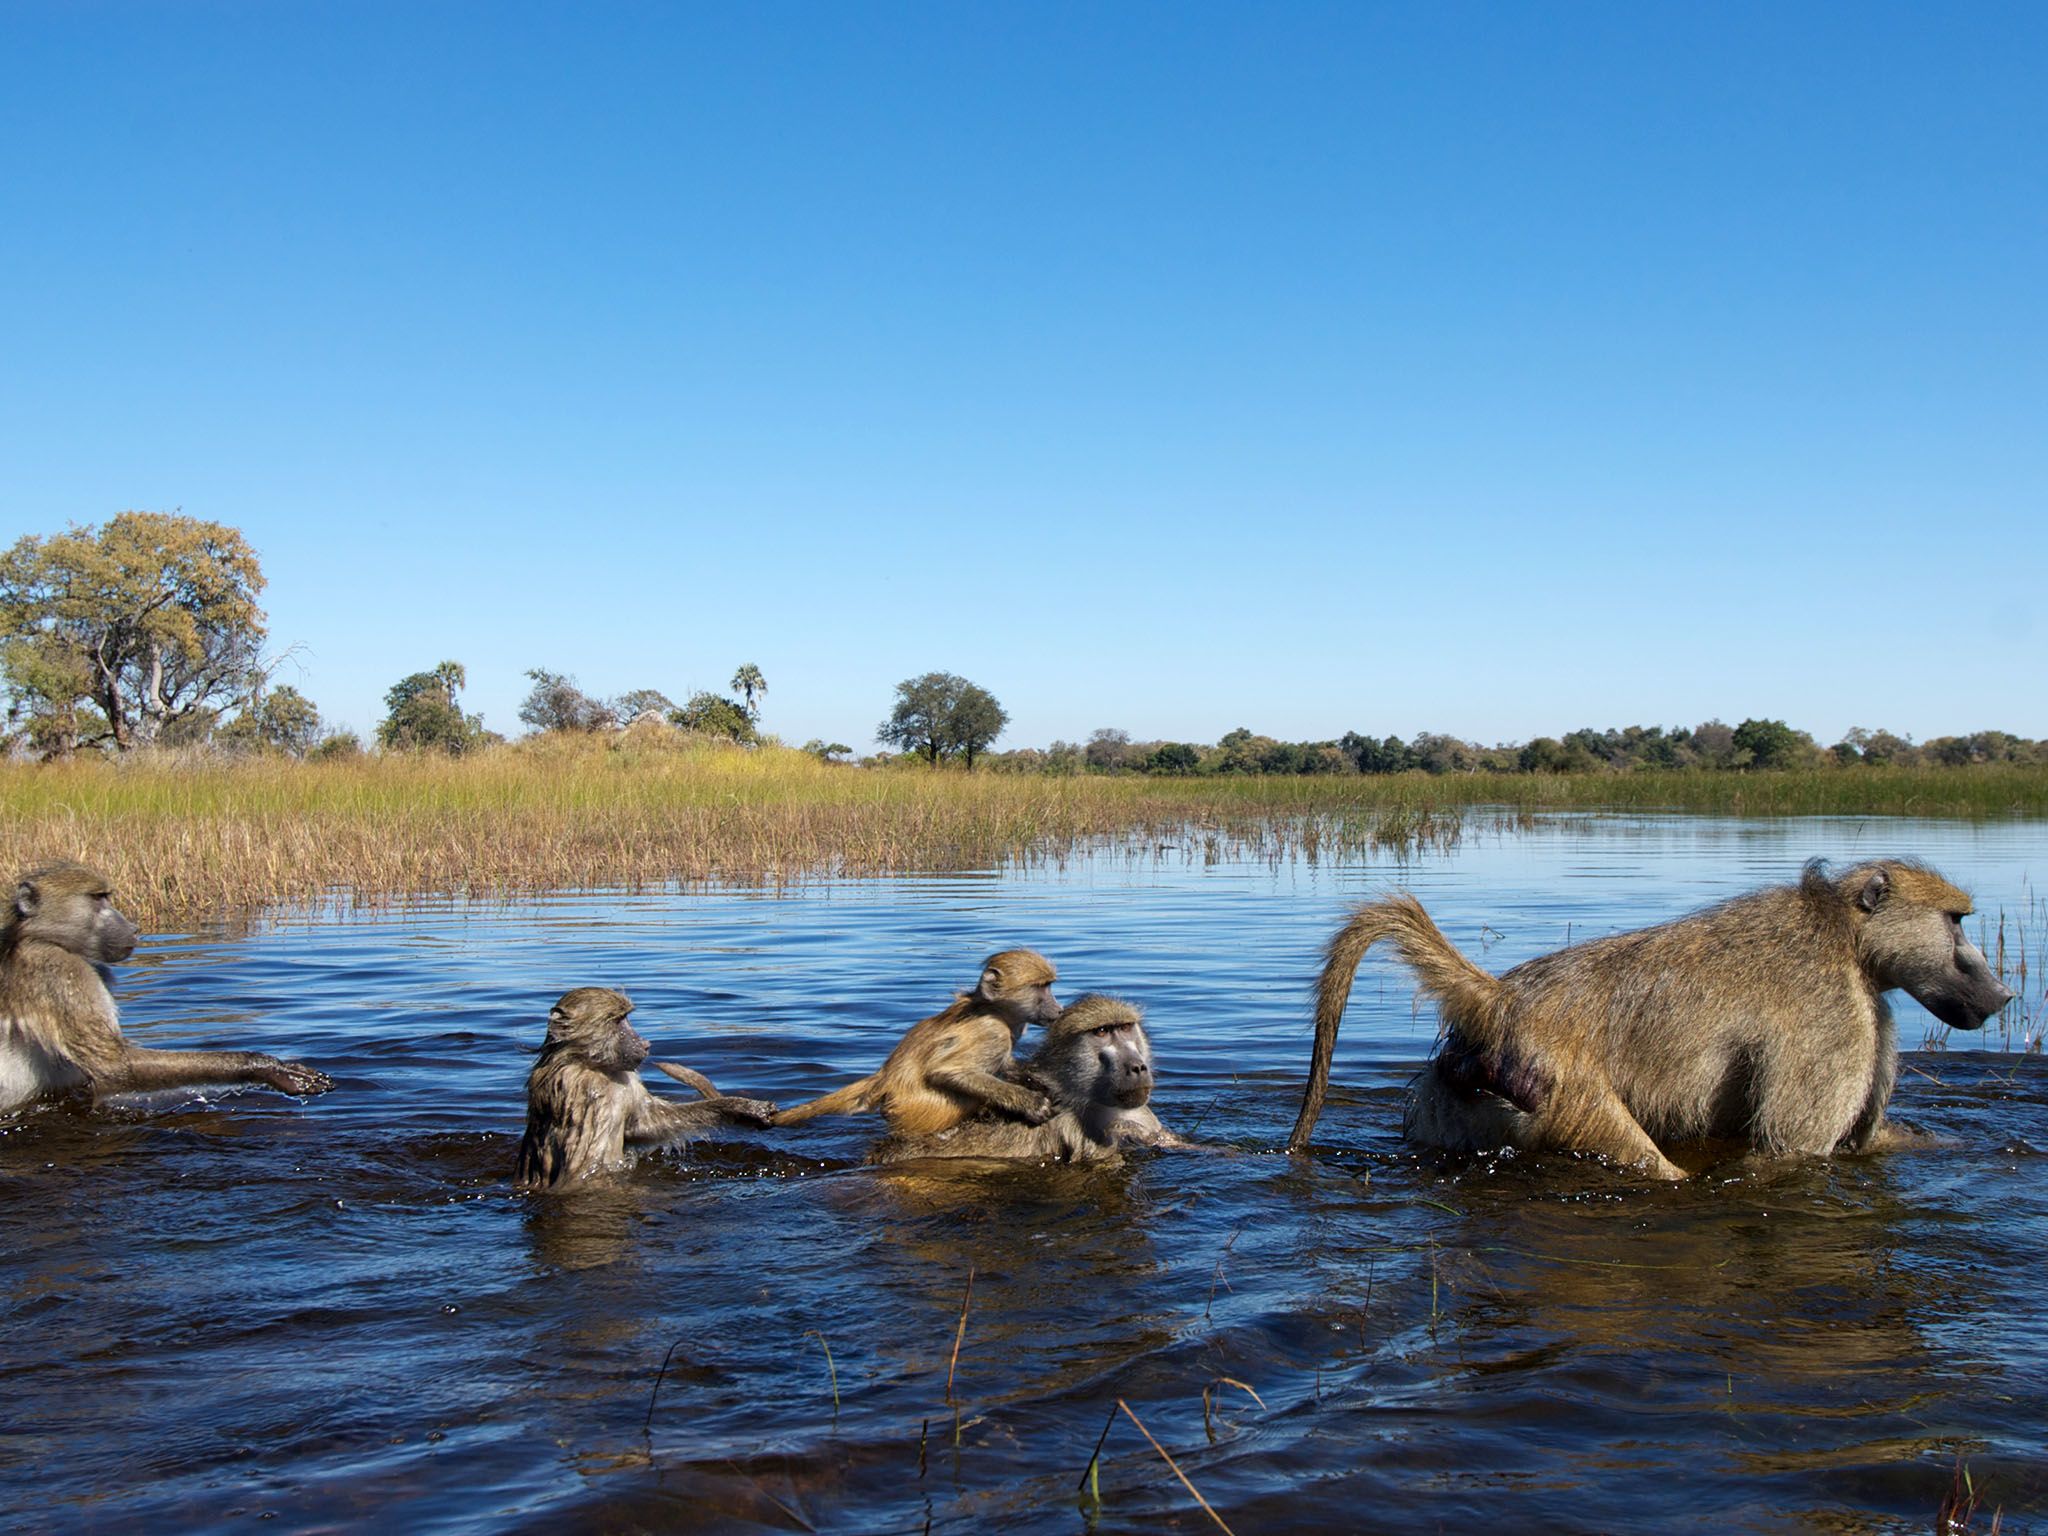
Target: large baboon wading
1761, 1021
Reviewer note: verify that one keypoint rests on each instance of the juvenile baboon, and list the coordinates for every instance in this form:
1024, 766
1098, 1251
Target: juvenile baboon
1095, 1064
59, 1029
954, 1064
1762, 1021
585, 1102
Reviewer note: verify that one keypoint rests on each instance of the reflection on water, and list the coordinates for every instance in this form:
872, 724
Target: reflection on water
230, 1309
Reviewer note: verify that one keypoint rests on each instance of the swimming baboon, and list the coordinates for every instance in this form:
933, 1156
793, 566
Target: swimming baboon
1761, 1020
585, 1102
59, 1029
1095, 1064
952, 1065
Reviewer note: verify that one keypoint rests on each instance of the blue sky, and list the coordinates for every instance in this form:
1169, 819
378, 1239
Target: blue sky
1485, 368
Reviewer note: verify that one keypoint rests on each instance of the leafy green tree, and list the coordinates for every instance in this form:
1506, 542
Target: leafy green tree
1771, 743
49, 685
424, 716
151, 619
922, 720
713, 715
1369, 756
749, 684
941, 714
557, 704
280, 720
1176, 759
977, 721
825, 751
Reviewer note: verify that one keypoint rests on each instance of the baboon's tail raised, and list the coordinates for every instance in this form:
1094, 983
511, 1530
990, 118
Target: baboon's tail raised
1461, 989
850, 1100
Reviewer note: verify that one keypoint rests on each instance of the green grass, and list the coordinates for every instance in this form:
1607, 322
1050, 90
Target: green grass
202, 837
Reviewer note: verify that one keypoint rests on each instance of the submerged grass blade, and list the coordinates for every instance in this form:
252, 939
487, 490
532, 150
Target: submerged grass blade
1174, 1466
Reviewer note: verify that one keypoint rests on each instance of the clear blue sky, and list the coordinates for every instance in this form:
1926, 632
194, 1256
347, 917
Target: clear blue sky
1495, 369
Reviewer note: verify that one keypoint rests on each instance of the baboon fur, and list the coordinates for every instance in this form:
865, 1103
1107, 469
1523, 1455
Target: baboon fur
955, 1064
1095, 1064
586, 1103
1761, 1020
59, 1029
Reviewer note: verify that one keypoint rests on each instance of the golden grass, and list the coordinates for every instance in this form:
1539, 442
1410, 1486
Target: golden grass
204, 838
187, 838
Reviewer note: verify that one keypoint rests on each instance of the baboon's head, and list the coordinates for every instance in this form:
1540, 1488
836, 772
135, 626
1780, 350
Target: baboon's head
1098, 1052
1018, 985
72, 906
1911, 937
591, 1023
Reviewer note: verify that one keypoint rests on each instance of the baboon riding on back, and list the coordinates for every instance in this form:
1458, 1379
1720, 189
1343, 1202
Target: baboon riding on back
1762, 1020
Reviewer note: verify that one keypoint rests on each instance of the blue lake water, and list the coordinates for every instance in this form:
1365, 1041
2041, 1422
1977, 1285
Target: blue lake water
237, 1309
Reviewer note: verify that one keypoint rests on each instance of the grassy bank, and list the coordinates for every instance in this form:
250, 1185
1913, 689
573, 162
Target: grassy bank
186, 839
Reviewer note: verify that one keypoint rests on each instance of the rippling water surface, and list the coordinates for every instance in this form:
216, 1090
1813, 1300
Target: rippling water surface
224, 1310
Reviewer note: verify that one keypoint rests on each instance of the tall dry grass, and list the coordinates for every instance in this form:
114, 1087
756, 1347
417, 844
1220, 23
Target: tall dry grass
203, 837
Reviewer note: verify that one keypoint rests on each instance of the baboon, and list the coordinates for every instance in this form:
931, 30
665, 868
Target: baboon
585, 1102
59, 1029
1095, 1064
954, 1064
1761, 1021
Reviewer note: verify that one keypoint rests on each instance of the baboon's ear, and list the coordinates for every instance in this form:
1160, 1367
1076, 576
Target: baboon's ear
557, 1016
27, 898
1874, 891
991, 980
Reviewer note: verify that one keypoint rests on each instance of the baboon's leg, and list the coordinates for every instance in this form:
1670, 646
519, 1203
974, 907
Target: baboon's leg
1597, 1121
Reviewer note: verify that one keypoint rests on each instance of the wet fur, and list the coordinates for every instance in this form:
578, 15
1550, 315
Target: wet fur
60, 1032
586, 1105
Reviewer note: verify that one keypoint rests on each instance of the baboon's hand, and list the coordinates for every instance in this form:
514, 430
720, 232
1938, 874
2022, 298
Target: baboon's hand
1040, 1110
295, 1078
748, 1111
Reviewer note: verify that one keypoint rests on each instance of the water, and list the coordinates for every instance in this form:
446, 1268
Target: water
219, 1311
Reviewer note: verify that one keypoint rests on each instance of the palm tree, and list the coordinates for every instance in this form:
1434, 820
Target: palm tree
749, 683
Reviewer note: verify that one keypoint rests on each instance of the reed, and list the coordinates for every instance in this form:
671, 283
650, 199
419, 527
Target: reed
199, 837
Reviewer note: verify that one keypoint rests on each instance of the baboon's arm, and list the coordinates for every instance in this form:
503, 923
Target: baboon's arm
1025, 1104
968, 1062
138, 1070
654, 1121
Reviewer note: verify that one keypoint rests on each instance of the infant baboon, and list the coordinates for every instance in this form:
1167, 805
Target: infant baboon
1095, 1064
953, 1064
1761, 1020
59, 1029
585, 1102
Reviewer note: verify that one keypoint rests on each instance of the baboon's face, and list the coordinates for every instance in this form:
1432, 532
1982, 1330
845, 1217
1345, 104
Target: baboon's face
1123, 1064
592, 1021
1104, 1039
1925, 952
70, 905
1018, 985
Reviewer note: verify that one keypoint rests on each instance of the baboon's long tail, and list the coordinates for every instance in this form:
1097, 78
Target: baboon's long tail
850, 1100
1461, 989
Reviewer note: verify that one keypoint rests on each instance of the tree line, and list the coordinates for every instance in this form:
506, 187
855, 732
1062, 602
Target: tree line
147, 632
1753, 744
